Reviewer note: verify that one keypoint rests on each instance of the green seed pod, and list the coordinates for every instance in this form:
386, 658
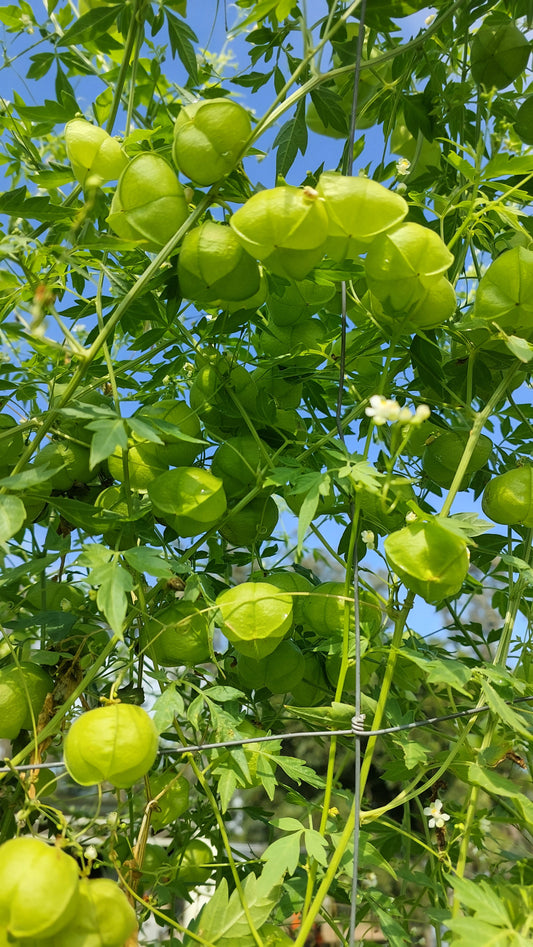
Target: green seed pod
93, 153
175, 801
301, 340
104, 917
190, 500
402, 263
505, 293
22, 687
38, 888
313, 688
213, 265
283, 386
499, 54
442, 455
429, 559
211, 395
523, 125
284, 227
508, 498
209, 138
253, 524
117, 743
177, 634
238, 463
71, 461
254, 616
358, 210
298, 302
176, 419
149, 204
145, 463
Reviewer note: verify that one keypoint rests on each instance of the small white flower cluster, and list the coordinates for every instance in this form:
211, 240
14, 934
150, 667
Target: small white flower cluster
368, 538
438, 817
383, 409
402, 166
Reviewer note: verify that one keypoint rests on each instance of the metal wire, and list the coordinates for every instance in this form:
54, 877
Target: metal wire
355, 731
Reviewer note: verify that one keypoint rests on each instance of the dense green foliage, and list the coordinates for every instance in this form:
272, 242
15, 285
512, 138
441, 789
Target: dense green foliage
240, 357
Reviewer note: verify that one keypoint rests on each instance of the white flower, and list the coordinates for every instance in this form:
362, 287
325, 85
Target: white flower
438, 817
402, 166
429, 19
368, 538
383, 409
370, 880
421, 414
90, 852
411, 517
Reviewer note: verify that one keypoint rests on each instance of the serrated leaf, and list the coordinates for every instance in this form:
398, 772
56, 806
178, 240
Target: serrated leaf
181, 39
168, 705
107, 436
212, 914
482, 899
144, 431
28, 478
506, 713
285, 852
12, 516
316, 846
299, 772
113, 583
89, 27
226, 785
466, 524
291, 138
143, 559
520, 348
498, 785
519, 565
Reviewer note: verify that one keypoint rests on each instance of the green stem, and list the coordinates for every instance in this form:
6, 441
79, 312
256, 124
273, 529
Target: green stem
477, 427
516, 591
347, 833
227, 845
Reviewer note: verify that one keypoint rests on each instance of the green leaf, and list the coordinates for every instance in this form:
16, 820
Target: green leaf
12, 516
446, 671
316, 846
28, 478
181, 40
298, 771
498, 785
34, 208
113, 583
144, 559
226, 785
291, 138
506, 713
90, 26
107, 435
285, 852
481, 898
520, 348
330, 109
168, 705
212, 915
